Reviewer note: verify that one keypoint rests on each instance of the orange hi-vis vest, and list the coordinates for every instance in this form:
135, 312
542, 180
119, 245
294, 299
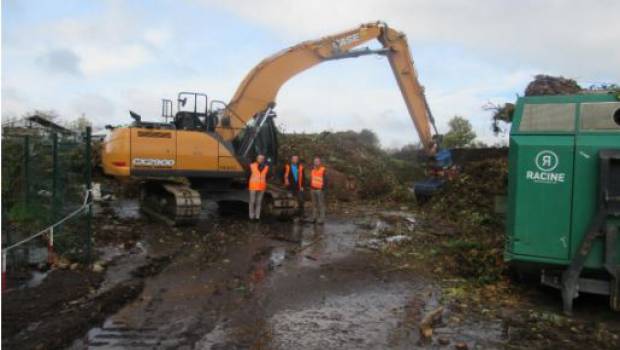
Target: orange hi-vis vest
258, 178
300, 175
317, 175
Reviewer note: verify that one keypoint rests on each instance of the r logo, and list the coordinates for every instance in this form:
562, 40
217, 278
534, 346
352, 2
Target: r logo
547, 160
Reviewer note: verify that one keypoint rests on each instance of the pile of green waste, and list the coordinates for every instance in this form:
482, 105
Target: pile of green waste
357, 166
469, 204
541, 85
550, 85
470, 198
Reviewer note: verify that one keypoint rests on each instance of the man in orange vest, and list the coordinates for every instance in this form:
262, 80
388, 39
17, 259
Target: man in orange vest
257, 185
294, 181
318, 183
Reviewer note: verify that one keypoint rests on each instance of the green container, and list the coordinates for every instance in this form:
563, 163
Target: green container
553, 175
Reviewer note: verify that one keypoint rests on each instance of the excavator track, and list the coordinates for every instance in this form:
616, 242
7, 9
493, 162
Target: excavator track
277, 202
280, 203
174, 203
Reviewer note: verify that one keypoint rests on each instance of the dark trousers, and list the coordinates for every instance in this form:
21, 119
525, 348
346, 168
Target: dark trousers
299, 196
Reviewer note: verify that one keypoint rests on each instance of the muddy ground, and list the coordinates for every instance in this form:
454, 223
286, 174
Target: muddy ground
231, 284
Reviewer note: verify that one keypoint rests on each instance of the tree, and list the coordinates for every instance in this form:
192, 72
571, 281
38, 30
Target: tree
460, 134
80, 123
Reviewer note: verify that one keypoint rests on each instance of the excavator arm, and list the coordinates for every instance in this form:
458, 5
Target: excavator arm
258, 91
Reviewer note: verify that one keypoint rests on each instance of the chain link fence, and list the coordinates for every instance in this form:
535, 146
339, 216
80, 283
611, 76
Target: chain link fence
45, 177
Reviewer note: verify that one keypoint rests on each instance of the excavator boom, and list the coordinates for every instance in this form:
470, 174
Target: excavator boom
260, 87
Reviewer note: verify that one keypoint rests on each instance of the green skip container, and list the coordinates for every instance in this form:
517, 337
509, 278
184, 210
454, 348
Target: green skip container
564, 193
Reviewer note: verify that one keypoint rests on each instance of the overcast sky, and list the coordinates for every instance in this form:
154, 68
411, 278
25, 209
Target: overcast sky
102, 58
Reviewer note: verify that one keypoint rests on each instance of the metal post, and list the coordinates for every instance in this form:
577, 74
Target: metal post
570, 276
55, 180
26, 170
50, 247
3, 270
5, 241
613, 268
88, 180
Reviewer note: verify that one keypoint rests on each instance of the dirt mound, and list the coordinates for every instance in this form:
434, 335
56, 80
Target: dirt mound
19, 308
549, 85
30, 316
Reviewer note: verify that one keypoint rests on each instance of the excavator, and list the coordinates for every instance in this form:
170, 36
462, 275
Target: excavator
205, 149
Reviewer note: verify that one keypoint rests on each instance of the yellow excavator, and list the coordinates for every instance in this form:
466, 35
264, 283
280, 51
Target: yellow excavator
206, 147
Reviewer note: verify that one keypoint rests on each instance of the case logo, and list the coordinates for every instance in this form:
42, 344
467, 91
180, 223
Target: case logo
546, 162
339, 43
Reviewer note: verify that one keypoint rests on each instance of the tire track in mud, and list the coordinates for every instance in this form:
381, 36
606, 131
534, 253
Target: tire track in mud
180, 299
274, 286
57, 326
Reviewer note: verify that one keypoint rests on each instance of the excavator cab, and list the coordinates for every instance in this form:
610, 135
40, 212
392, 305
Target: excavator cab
259, 136
192, 112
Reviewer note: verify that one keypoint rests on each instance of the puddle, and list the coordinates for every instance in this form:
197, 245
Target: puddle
284, 286
390, 228
364, 319
120, 262
126, 209
321, 292
109, 253
476, 334
324, 243
120, 269
36, 279
277, 256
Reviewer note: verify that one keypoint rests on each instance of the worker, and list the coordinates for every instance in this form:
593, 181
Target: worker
294, 181
318, 185
257, 185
